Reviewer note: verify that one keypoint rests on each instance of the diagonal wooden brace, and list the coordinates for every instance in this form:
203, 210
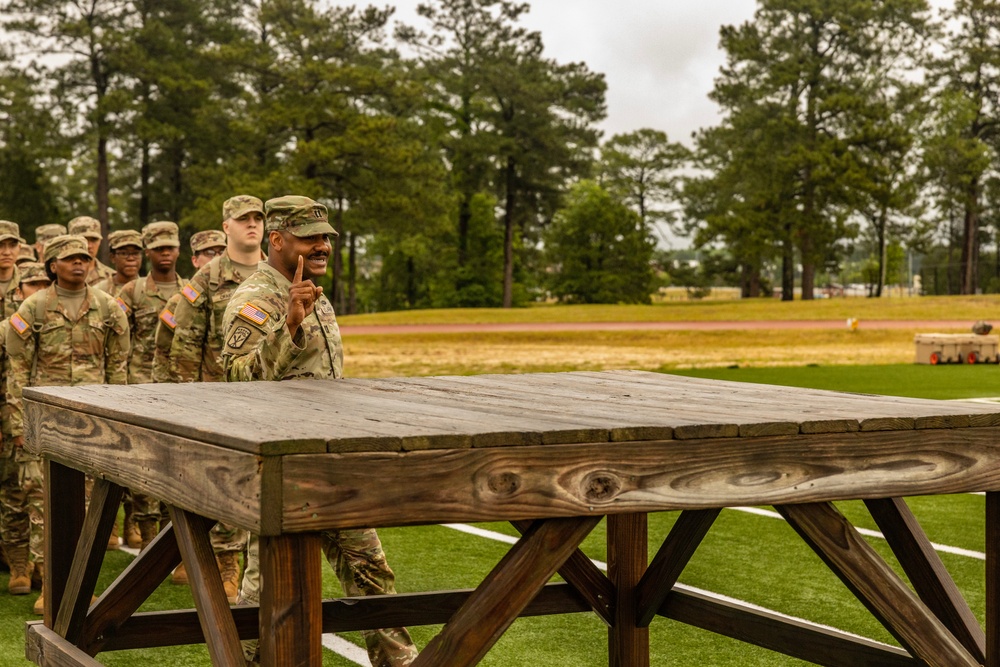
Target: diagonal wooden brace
509, 587
876, 585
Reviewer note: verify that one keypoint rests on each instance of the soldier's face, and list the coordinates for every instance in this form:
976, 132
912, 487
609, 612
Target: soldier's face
8, 253
71, 272
163, 258
315, 251
127, 261
27, 289
245, 232
203, 257
93, 245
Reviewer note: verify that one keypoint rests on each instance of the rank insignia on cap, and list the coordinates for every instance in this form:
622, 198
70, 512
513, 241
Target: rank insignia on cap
190, 293
18, 323
253, 314
168, 318
122, 305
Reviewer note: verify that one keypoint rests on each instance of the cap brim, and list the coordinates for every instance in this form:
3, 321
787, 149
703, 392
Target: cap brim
163, 244
4, 237
130, 244
93, 236
312, 229
244, 211
73, 253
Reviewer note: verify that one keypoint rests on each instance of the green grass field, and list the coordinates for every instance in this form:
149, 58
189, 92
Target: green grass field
738, 558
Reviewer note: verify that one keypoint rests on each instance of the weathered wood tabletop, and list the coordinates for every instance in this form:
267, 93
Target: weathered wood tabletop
552, 453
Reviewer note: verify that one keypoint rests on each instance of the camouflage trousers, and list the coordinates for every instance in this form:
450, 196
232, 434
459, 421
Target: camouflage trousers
224, 538
357, 558
15, 527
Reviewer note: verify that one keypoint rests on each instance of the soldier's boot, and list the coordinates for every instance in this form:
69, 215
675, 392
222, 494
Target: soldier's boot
180, 576
147, 529
37, 574
20, 574
113, 542
39, 608
133, 537
229, 569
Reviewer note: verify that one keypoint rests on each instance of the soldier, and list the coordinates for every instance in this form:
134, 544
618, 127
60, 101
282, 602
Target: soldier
90, 229
67, 335
25, 253
196, 350
44, 234
205, 246
125, 246
13, 518
280, 326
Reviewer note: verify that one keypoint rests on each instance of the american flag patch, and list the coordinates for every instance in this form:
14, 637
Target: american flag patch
168, 318
122, 304
18, 323
253, 314
190, 293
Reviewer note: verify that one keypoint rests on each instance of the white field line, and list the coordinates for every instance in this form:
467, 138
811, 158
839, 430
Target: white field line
943, 548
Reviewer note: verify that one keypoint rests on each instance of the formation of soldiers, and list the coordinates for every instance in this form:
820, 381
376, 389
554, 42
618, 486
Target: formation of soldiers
244, 316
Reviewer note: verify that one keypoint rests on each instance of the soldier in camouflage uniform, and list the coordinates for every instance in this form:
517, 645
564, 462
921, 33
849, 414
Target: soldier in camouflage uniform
279, 326
44, 234
13, 518
67, 335
205, 246
90, 229
195, 352
125, 246
142, 299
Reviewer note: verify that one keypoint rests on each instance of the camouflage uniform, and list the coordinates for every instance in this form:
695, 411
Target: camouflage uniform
119, 239
259, 347
46, 346
14, 523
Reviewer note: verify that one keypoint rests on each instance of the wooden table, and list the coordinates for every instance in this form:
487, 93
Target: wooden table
552, 453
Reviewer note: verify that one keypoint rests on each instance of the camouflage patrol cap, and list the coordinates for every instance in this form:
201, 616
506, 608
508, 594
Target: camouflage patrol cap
9, 230
161, 235
210, 238
86, 226
123, 237
33, 272
241, 205
67, 245
25, 253
46, 233
300, 216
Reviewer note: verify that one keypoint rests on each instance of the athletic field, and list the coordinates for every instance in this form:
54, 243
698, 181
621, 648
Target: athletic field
738, 559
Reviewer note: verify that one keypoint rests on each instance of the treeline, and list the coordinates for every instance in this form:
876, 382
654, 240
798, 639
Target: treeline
464, 167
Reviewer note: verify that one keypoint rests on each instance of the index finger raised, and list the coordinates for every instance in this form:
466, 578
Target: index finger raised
297, 278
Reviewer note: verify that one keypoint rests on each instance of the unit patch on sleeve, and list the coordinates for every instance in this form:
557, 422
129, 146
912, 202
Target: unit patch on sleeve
239, 337
190, 293
251, 313
168, 318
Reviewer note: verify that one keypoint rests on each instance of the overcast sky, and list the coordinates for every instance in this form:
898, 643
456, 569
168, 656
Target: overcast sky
659, 56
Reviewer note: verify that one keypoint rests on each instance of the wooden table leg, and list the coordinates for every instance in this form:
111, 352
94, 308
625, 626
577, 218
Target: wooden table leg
65, 505
876, 585
628, 644
508, 588
291, 612
87, 561
993, 579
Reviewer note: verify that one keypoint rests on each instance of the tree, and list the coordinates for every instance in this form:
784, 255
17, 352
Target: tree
599, 250
815, 69
642, 168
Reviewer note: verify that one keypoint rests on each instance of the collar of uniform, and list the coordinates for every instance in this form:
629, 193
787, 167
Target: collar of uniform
151, 284
276, 275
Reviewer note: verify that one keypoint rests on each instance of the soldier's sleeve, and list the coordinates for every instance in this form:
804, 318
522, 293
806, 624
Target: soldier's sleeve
162, 340
19, 343
190, 334
4, 407
257, 344
116, 349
